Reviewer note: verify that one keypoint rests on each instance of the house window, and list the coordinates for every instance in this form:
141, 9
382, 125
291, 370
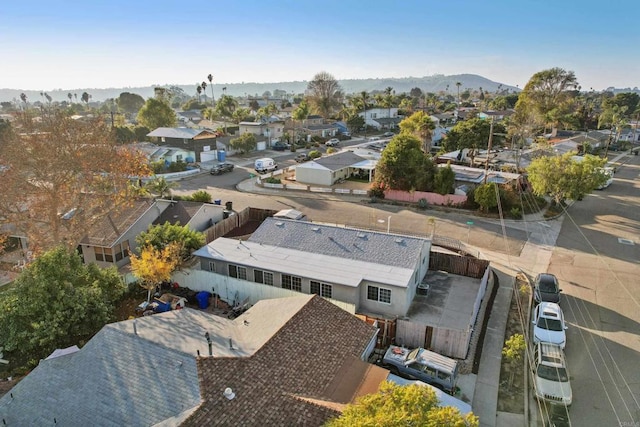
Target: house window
321, 289
375, 293
99, 253
291, 282
212, 266
237, 272
265, 277
108, 254
178, 157
121, 250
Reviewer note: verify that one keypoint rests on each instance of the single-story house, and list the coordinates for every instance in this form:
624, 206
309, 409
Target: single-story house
381, 118
496, 115
329, 169
272, 130
285, 361
197, 216
195, 140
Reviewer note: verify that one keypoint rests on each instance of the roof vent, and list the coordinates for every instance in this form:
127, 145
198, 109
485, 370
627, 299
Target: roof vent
362, 235
315, 229
279, 223
399, 240
228, 393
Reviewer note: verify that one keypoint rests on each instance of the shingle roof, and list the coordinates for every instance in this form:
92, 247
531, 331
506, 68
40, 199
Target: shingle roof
179, 212
117, 379
339, 161
349, 243
114, 225
278, 384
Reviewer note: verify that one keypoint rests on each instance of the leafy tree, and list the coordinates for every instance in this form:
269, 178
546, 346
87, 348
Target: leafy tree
401, 164
325, 94
299, 114
141, 132
161, 235
194, 104
415, 93
420, 125
57, 301
396, 405
63, 177
225, 107
129, 103
154, 266
354, 122
124, 134
160, 186
445, 180
547, 96
513, 351
245, 143
563, 177
630, 100
242, 115
85, 97
486, 196
472, 133
156, 114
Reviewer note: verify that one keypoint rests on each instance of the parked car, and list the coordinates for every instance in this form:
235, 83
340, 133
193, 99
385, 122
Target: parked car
280, 146
548, 324
302, 157
388, 134
423, 365
552, 383
332, 142
546, 288
221, 168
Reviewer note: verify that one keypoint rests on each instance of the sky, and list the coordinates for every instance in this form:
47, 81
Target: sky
71, 44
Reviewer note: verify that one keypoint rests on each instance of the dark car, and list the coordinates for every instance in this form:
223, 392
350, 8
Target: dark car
221, 168
388, 134
546, 288
279, 146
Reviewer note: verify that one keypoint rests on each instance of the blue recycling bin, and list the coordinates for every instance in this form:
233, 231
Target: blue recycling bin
222, 155
217, 202
203, 299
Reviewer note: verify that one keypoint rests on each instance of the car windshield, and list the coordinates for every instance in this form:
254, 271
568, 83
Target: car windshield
549, 324
547, 284
553, 374
413, 354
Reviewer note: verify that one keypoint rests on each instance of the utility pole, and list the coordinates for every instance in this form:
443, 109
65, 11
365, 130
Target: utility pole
486, 162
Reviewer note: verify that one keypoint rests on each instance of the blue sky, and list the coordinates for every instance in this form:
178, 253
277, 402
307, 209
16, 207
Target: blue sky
69, 44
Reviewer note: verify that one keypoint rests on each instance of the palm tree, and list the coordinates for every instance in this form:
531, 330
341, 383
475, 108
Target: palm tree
75, 95
199, 90
70, 96
388, 101
210, 77
161, 186
364, 97
23, 97
299, 114
458, 84
85, 97
204, 86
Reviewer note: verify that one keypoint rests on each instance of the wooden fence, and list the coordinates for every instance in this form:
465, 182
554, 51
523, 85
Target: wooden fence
386, 329
224, 227
456, 264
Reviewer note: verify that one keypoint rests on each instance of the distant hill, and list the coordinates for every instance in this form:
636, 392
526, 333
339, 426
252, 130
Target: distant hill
433, 83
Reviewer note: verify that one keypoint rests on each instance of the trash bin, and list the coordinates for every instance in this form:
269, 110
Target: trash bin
222, 155
229, 206
217, 202
203, 299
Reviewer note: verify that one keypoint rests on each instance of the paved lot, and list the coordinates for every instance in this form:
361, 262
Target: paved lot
600, 278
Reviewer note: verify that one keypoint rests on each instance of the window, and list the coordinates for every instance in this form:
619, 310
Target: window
265, 277
291, 282
321, 289
212, 266
108, 255
99, 253
237, 272
375, 293
178, 157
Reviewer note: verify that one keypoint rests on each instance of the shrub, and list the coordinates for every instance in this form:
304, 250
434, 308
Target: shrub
178, 166
315, 154
273, 180
422, 203
331, 150
157, 167
201, 196
515, 213
377, 190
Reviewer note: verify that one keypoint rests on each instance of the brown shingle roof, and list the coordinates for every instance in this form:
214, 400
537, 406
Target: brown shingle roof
114, 225
180, 212
303, 363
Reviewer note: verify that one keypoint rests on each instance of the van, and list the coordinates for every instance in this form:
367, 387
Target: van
424, 365
265, 165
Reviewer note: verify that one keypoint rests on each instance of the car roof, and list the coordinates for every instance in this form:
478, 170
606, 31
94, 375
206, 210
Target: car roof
550, 309
546, 278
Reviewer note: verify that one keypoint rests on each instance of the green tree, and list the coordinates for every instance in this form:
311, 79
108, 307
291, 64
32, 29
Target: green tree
156, 114
513, 351
630, 100
242, 115
563, 177
225, 107
154, 265
85, 97
401, 165
129, 103
325, 94
245, 143
473, 134
396, 405
445, 180
141, 132
486, 196
124, 134
57, 301
354, 122
160, 186
161, 235
194, 104
547, 96
201, 196
299, 114
420, 125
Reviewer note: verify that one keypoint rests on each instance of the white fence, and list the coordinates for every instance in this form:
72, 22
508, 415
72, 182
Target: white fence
173, 176
235, 290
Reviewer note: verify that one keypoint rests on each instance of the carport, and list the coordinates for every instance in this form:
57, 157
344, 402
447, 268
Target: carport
366, 166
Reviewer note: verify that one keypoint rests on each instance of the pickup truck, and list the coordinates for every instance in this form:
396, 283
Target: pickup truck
302, 157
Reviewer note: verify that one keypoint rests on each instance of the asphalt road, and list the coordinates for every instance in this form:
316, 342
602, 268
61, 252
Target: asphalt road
600, 278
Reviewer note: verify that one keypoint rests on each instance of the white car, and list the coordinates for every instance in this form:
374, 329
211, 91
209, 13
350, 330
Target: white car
552, 382
548, 324
332, 142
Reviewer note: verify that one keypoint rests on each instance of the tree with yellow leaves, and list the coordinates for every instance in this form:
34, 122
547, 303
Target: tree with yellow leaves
154, 266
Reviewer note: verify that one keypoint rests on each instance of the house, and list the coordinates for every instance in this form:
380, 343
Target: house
381, 118
269, 366
196, 140
190, 116
112, 240
378, 272
329, 169
195, 215
272, 130
497, 115
156, 153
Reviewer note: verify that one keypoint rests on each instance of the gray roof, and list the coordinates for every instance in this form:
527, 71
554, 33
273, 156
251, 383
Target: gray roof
349, 243
340, 160
180, 211
181, 133
322, 126
117, 379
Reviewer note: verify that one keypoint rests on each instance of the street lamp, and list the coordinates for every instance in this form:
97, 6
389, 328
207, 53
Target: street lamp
382, 221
